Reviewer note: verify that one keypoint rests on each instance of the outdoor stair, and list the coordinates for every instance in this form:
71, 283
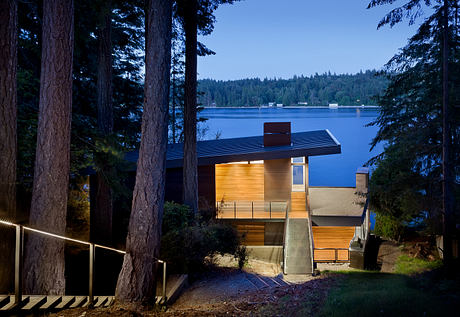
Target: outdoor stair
297, 247
50, 303
261, 281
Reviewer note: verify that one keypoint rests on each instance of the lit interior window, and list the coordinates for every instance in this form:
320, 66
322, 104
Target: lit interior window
297, 174
298, 159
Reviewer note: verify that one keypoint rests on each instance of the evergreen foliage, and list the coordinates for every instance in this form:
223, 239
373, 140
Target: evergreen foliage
316, 90
87, 143
188, 240
407, 181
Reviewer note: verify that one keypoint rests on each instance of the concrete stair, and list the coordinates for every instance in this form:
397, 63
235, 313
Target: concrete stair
297, 250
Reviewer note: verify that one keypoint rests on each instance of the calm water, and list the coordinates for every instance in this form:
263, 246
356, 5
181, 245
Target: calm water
347, 125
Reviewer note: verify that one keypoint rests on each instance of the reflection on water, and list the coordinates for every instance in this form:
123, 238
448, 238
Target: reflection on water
346, 124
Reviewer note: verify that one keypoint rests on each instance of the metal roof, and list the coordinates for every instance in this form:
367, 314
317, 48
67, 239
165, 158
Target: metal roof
209, 152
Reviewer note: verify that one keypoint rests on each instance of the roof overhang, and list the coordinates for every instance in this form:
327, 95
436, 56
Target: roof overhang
211, 152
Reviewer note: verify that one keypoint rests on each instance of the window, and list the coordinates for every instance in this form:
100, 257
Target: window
298, 160
298, 173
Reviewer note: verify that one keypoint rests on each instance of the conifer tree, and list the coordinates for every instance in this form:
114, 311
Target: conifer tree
137, 280
44, 262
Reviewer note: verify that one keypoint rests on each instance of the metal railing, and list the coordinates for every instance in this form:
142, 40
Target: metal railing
259, 209
19, 256
336, 258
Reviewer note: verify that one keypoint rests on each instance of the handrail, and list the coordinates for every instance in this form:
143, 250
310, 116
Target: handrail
232, 208
284, 237
19, 254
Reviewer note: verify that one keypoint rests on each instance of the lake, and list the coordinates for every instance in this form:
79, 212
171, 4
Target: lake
346, 124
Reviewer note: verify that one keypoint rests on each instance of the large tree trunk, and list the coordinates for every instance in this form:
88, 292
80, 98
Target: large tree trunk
101, 217
190, 178
44, 262
8, 144
448, 207
137, 280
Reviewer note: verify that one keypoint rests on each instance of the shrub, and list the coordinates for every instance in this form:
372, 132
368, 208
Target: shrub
187, 241
241, 255
388, 227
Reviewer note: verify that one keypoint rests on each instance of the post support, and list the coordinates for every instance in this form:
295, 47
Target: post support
18, 262
164, 282
91, 274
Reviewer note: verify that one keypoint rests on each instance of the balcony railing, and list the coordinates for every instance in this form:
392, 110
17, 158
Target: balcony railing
335, 255
258, 209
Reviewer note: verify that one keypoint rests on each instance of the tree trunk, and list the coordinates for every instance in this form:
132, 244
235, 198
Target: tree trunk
44, 261
173, 103
190, 178
448, 216
101, 217
137, 280
8, 138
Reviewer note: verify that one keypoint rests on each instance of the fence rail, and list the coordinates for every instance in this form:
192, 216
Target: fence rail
19, 256
336, 257
257, 209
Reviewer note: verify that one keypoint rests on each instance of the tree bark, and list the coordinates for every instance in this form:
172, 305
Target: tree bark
8, 137
448, 211
190, 174
101, 217
44, 261
137, 280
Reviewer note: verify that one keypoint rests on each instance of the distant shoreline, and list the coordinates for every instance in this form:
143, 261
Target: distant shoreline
296, 107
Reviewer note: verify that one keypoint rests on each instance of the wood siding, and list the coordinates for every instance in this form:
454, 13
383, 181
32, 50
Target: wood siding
251, 233
332, 237
206, 186
240, 182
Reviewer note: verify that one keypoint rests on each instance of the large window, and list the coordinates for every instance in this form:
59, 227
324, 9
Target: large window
298, 173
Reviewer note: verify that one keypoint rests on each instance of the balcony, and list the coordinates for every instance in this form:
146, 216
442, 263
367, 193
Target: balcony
243, 209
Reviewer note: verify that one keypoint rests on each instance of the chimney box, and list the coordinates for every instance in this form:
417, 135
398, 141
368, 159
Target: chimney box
277, 133
362, 180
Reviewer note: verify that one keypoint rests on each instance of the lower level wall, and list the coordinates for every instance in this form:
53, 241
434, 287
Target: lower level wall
268, 253
260, 233
332, 238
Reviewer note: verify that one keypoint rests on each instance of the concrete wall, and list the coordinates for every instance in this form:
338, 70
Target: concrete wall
272, 254
278, 180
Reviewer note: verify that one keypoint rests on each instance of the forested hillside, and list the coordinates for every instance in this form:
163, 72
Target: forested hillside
316, 90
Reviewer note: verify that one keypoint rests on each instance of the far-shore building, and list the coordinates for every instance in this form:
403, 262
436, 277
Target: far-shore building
260, 186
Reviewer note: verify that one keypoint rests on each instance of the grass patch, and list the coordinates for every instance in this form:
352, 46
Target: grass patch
407, 265
372, 293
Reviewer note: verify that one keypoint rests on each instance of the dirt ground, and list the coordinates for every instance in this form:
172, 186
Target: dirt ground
228, 291
389, 252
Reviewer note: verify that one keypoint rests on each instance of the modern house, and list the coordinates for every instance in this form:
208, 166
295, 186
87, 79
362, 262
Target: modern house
260, 186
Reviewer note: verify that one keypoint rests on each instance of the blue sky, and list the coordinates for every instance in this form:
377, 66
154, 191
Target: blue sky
282, 38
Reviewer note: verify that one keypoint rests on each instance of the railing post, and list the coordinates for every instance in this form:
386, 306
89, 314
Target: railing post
18, 261
234, 209
252, 209
91, 274
270, 209
164, 282
336, 255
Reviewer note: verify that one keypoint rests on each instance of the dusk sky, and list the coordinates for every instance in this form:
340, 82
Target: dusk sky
282, 38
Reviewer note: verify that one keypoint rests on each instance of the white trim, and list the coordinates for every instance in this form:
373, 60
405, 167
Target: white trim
332, 137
